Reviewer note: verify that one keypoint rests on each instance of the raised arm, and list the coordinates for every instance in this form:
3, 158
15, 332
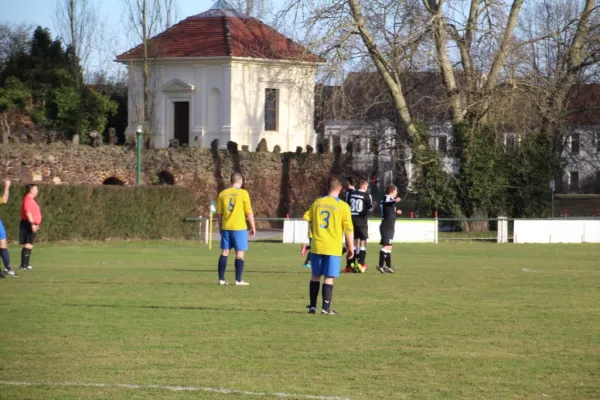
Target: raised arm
6, 191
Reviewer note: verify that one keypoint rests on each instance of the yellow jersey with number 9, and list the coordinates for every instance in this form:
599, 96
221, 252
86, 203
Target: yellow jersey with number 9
329, 219
233, 205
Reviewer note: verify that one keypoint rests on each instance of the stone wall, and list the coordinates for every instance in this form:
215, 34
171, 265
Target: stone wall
279, 184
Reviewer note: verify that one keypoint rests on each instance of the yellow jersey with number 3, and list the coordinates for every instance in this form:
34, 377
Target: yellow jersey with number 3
233, 205
329, 219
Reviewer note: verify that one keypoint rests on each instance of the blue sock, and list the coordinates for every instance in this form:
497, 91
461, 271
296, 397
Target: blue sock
239, 268
5, 258
222, 267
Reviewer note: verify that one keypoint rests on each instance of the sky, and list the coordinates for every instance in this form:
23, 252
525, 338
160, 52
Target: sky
41, 13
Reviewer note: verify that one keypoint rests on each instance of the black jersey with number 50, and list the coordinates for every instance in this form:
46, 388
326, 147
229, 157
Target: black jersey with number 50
360, 203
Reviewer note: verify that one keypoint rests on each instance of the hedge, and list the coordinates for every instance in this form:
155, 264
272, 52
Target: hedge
105, 212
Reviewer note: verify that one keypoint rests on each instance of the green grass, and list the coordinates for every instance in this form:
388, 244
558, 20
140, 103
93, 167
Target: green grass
457, 320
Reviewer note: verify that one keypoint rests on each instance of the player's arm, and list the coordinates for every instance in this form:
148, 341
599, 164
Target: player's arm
29, 215
219, 213
306, 217
249, 214
348, 229
370, 205
5, 195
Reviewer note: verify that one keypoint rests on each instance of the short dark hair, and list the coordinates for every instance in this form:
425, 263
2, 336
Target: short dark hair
333, 183
390, 188
29, 187
351, 180
237, 177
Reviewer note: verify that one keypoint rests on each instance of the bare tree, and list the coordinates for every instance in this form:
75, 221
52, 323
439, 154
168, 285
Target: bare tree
253, 8
14, 39
144, 21
169, 11
77, 21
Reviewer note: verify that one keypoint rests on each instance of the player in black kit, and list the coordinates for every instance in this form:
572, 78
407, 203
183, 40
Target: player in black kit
360, 204
351, 182
387, 228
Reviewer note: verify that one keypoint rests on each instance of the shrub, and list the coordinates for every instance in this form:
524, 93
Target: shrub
106, 212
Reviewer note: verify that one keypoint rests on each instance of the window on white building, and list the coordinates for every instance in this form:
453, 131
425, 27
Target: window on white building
511, 145
271, 109
575, 143
443, 144
574, 181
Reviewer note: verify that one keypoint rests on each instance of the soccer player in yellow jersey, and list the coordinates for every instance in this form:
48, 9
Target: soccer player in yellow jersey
329, 219
233, 207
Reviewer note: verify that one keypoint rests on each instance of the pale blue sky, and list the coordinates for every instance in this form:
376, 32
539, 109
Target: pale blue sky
41, 12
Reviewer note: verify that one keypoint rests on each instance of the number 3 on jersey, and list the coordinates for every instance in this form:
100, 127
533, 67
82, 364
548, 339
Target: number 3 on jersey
325, 216
230, 206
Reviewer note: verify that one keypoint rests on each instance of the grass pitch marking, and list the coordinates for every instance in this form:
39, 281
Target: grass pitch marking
173, 388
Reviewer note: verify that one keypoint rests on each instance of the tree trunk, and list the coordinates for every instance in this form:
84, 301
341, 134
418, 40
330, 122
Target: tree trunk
476, 226
4, 128
384, 68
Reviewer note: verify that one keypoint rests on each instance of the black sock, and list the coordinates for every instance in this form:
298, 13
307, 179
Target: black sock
356, 258
222, 267
327, 295
388, 260
25, 256
314, 292
307, 258
239, 268
362, 257
5, 258
382, 258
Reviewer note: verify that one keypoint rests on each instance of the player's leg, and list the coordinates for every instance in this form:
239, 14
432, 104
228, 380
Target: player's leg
225, 247
362, 259
315, 281
331, 271
4, 252
240, 242
388, 260
387, 237
26, 238
388, 248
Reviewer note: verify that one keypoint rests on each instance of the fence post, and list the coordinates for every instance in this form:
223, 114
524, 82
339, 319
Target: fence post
502, 230
200, 229
436, 228
206, 230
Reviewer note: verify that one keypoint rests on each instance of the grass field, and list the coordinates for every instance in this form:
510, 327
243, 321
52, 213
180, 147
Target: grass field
458, 320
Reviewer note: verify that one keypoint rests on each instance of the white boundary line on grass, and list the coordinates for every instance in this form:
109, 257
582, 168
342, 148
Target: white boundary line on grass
172, 388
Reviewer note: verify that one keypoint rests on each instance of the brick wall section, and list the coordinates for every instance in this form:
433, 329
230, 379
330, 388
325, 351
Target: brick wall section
278, 183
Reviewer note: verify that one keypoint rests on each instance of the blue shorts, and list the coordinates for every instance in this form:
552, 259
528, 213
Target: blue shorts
237, 240
2, 231
325, 265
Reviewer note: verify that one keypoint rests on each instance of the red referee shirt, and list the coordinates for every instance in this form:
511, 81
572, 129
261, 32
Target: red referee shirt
31, 206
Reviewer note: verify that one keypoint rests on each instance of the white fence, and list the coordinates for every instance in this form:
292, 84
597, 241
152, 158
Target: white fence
407, 231
556, 231
427, 231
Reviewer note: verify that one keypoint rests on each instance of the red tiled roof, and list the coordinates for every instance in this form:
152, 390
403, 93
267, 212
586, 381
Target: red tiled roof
223, 34
584, 107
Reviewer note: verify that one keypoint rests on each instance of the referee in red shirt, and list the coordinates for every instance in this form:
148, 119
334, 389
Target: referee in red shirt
31, 218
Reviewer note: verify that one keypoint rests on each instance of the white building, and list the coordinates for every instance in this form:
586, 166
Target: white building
373, 147
224, 75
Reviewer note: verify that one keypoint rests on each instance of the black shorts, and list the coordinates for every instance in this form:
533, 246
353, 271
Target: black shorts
387, 235
26, 234
361, 229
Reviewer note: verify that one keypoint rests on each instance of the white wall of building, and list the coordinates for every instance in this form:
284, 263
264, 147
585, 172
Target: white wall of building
295, 84
227, 98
